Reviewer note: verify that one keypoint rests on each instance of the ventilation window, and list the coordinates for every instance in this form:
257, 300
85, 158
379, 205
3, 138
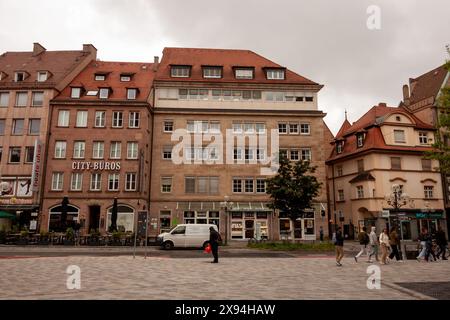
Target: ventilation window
398, 118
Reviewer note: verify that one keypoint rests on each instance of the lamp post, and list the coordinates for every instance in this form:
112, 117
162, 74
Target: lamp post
226, 205
397, 199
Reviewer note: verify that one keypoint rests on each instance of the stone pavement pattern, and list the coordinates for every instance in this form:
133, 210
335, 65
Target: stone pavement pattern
233, 278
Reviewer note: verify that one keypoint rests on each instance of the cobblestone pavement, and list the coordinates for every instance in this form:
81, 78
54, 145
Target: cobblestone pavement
123, 277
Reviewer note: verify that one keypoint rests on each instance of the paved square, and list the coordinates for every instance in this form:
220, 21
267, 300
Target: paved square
123, 277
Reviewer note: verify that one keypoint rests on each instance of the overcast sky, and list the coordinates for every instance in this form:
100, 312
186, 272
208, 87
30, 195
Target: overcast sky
326, 41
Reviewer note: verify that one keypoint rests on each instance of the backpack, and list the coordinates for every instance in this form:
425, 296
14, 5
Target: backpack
366, 238
219, 238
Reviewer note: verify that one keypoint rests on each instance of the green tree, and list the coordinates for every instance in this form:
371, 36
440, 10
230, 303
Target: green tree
441, 147
293, 188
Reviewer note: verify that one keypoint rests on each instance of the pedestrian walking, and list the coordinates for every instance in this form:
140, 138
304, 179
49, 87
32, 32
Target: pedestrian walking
339, 246
394, 242
429, 249
364, 240
214, 239
373, 244
441, 242
422, 240
384, 242
321, 234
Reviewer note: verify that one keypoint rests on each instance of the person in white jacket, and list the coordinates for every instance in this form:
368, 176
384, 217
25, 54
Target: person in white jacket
373, 244
384, 242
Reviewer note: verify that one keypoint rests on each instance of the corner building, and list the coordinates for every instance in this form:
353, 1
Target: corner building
210, 91
99, 147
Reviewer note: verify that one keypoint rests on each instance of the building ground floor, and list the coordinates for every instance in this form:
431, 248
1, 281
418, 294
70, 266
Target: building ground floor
18, 217
239, 220
409, 222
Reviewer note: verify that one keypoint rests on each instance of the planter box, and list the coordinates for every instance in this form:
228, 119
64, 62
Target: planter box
22, 242
44, 242
69, 242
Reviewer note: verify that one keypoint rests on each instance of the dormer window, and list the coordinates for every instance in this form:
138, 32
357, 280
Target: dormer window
100, 77
104, 93
212, 72
360, 140
243, 73
131, 94
339, 147
19, 76
180, 71
275, 74
125, 77
92, 93
42, 76
3, 75
75, 93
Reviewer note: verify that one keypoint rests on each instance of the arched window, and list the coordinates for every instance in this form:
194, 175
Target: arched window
125, 218
55, 218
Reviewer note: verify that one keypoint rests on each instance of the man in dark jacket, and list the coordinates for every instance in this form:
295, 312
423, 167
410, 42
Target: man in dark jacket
339, 245
214, 238
441, 241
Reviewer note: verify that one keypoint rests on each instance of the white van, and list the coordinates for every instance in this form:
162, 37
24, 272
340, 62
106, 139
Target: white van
186, 236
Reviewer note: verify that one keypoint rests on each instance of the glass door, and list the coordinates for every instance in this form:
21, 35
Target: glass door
249, 229
405, 229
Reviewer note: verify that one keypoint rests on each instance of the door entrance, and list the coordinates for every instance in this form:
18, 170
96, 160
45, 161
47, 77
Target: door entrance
249, 229
94, 218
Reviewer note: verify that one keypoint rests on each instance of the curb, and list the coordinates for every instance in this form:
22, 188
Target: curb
409, 292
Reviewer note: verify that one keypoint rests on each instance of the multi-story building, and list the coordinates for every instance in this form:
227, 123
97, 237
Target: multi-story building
385, 147
231, 95
421, 98
28, 81
99, 147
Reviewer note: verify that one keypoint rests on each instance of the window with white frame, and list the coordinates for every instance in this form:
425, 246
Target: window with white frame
305, 128
248, 185
34, 126
115, 150
244, 73
125, 78
168, 126
249, 127
131, 94
293, 128
96, 182
42, 76
214, 126
339, 147
4, 99
167, 152
21, 99
212, 72
261, 154
166, 184
306, 154
134, 119
79, 149
104, 93
238, 154
294, 155
423, 137
275, 74
14, 154
260, 185
57, 181
75, 93
37, 99
428, 190
237, 185
132, 150
63, 118
113, 182
250, 154
131, 181
81, 118
399, 136
60, 149
237, 127
100, 118
282, 128
359, 192
359, 140
117, 121
98, 150
76, 182
18, 126
180, 71
339, 171
260, 128
341, 195
100, 77
19, 76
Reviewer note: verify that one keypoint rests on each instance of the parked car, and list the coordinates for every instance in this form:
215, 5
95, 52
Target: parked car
186, 236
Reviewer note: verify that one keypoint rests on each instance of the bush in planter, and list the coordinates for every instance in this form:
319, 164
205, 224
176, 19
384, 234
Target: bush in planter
70, 237
117, 236
94, 237
44, 237
23, 237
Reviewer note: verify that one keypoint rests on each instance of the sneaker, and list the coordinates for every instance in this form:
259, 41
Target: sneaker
356, 259
370, 261
338, 264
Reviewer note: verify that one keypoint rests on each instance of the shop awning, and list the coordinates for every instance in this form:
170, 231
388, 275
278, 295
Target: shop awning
6, 215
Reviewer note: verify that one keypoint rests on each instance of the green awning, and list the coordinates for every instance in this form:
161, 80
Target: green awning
7, 215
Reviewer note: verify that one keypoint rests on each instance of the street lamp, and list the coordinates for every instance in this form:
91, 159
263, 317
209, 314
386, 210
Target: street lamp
226, 205
397, 198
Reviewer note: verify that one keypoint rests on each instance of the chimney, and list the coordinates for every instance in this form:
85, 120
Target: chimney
37, 49
406, 94
155, 63
412, 84
91, 49
382, 104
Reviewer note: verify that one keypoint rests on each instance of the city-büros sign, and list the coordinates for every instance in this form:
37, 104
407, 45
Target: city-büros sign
96, 165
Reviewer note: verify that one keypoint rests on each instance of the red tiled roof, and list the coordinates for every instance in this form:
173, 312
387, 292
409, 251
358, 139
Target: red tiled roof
227, 58
371, 122
345, 126
428, 84
58, 63
142, 79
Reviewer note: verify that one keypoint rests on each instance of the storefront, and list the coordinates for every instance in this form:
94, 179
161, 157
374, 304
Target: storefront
249, 224
411, 222
303, 228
